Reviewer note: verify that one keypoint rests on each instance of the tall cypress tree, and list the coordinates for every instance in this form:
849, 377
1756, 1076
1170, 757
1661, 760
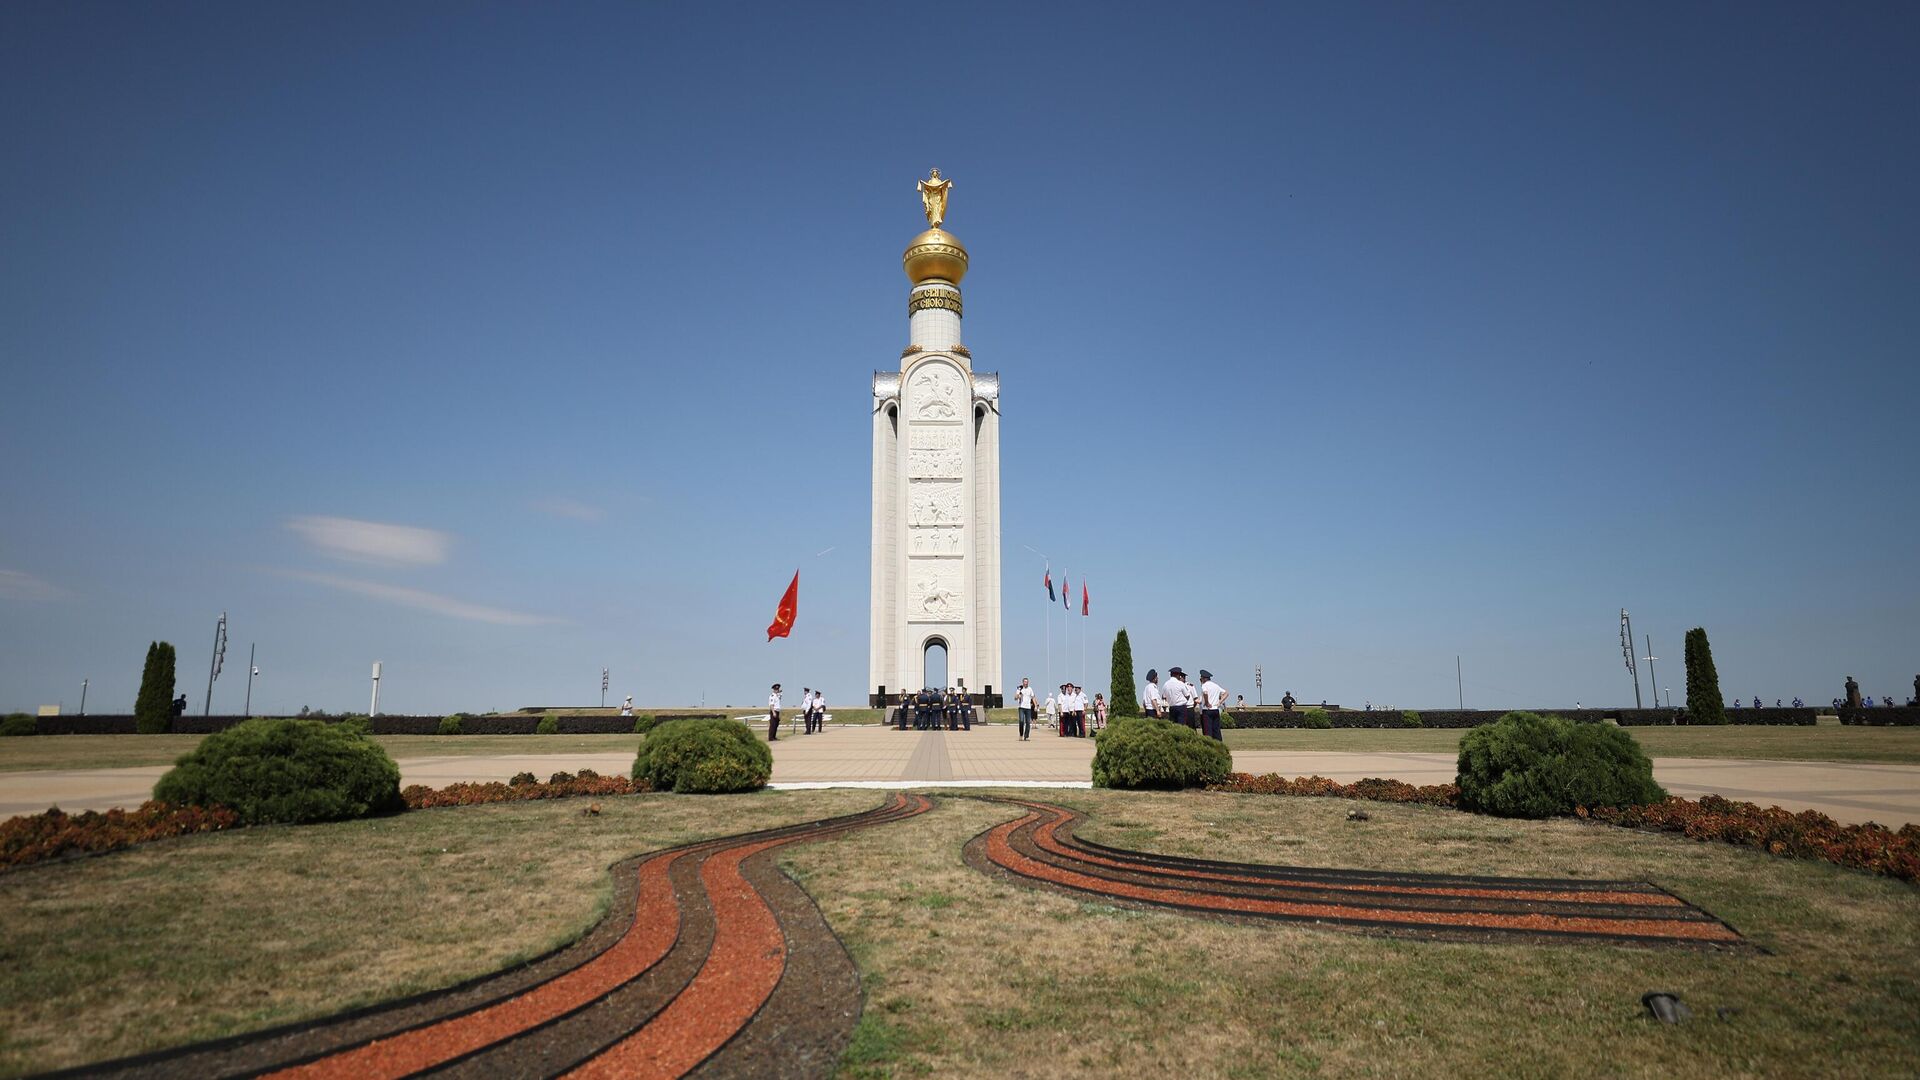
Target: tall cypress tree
154, 706
1121, 700
1704, 703
153, 709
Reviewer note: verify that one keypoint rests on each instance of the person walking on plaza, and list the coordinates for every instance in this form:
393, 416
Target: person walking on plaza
1179, 697
1023, 704
773, 714
1053, 713
1151, 698
819, 711
1099, 712
626, 707
806, 709
1212, 697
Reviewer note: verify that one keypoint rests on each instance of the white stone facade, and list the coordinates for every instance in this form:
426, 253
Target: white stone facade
936, 512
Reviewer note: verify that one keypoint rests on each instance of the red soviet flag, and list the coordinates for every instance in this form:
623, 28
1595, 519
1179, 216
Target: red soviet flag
789, 609
1083, 596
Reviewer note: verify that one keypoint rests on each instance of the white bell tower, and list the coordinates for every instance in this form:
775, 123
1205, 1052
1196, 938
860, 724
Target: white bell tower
936, 487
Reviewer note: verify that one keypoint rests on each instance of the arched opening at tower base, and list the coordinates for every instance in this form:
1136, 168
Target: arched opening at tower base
933, 668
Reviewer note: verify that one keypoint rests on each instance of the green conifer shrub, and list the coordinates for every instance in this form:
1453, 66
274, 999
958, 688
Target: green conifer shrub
1409, 718
153, 708
451, 725
1121, 699
703, 756
1316, 719
358, 724
1141, 752
548, 725
285, 771
1704, 703
1532, 766
644, 723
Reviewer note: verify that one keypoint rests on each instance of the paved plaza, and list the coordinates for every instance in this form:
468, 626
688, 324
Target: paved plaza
993, 754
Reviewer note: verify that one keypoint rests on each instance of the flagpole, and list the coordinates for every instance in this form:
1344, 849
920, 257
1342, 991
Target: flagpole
1049, 611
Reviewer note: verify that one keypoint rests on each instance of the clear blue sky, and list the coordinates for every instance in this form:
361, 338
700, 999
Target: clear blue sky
1342, 340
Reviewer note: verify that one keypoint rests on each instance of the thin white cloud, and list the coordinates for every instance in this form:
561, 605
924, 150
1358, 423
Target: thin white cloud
424, 601
570, 508
20, 585
372, 541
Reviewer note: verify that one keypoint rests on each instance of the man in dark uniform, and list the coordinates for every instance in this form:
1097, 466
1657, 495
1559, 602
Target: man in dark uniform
1287, 703
964, 702
924, 707
900, 715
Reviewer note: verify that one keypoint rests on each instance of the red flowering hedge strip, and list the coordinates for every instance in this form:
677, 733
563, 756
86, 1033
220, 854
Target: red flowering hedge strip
25, 840
561, 786
1805, 835
1372, 788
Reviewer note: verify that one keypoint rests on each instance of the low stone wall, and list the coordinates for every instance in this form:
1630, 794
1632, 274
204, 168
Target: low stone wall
1465, 718
1881, 716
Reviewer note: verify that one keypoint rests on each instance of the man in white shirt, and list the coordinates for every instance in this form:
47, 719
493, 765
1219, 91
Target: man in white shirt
817, 718
1023, 701
1212, 697
1179, 697
1151, 699
773, 714
626, 707
1053, 713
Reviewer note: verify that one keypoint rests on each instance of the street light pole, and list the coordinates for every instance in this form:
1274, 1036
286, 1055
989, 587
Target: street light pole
83, 697
1259, 688
603, 688
1652, 679
247, 709
1049, 614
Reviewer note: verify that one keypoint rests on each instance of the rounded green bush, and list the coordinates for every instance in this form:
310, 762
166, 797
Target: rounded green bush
1409, 718
703, 756
1532, 766
286, 771
645, 723
1316, 718
19, 724
548, 725
358, 723
451, 725
1143, 752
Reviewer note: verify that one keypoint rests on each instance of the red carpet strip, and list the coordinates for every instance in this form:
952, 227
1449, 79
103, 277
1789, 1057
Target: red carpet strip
1040, 847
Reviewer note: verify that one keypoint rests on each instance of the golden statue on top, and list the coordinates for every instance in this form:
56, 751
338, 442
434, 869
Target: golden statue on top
933, 196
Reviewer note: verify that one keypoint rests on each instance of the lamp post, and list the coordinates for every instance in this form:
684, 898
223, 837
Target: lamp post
1668, 690
603, 688
83, 697
1652, 679
374, 709
252, 670
1258, 686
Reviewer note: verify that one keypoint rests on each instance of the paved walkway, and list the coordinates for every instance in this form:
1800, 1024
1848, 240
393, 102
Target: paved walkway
882, 757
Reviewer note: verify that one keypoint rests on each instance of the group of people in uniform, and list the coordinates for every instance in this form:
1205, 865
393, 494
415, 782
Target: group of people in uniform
813, 709
1067, 714
1180, 701
932, 709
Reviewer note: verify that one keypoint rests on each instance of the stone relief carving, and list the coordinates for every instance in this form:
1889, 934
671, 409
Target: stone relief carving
935, 438
934, 506
935, 592
936, 394
934, 541
934, 464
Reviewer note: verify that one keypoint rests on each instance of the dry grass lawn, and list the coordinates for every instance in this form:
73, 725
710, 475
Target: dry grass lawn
971, 975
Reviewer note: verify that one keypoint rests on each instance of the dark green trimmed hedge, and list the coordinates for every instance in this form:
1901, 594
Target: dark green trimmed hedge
1141, 752
285, 771
18, 724
1532, 766
704, 757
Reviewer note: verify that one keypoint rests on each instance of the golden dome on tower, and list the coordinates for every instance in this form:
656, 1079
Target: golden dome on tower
935, 253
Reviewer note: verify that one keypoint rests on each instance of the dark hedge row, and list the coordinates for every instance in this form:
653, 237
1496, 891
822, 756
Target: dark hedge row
381, 725
1879, 716
1468, 718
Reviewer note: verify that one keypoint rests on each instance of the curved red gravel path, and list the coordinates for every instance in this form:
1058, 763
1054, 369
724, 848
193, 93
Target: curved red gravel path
1040, 847
694, 960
